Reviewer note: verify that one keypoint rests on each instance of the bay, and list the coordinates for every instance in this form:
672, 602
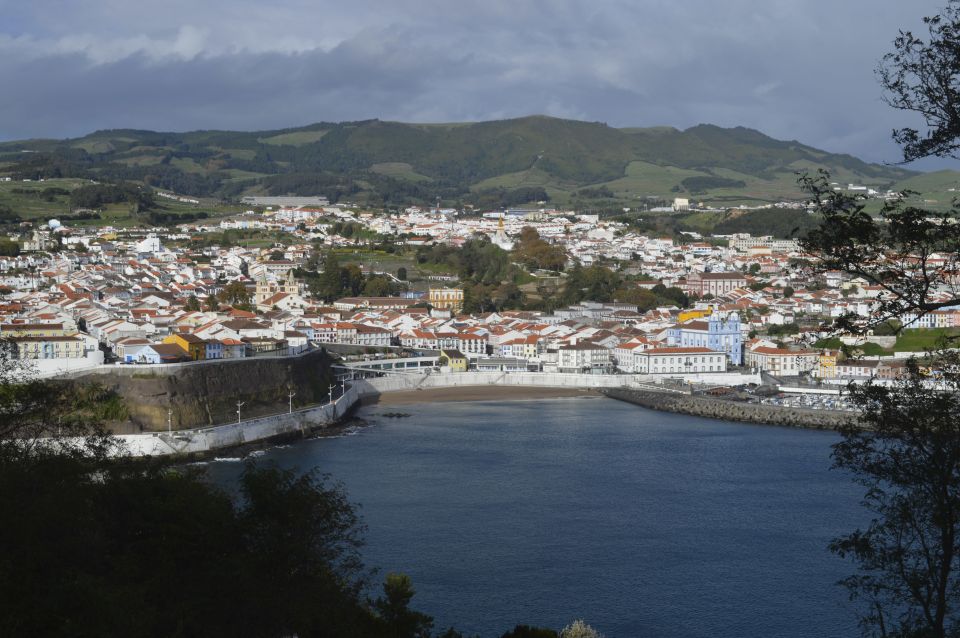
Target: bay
640, 522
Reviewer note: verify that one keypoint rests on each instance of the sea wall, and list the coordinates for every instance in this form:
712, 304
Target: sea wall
205, 440
205, 394
370, 388
731, 410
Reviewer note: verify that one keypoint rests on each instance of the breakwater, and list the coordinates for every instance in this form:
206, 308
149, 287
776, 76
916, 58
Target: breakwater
731, 410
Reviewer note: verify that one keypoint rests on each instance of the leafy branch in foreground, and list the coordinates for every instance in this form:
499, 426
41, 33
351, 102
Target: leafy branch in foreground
909, 253
921, 76
905, 450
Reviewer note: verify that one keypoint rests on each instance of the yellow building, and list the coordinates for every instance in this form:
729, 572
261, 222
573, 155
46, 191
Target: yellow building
455, 359
446, 299
827, 364
194, 345
33, 330
687, 315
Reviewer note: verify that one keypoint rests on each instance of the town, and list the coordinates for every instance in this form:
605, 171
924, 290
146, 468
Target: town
510, 290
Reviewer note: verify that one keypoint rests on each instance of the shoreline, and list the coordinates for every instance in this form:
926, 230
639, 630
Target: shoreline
698, 406
475, 393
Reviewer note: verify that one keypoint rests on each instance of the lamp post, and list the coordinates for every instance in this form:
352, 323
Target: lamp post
240, 404
290, 396
169, 420
331, 393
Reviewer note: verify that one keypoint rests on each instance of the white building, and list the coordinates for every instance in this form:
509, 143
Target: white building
582, 356
780, 361
689, 360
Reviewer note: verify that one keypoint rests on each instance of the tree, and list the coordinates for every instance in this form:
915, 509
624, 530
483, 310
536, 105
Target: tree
534, 252
788, 292
211, 304
905, 446
192, 304
920, 76
394, 609
900, 252
8, 247
905, 450
579, 629
329, 285
378, 286
278, 558
236, 295
402, 273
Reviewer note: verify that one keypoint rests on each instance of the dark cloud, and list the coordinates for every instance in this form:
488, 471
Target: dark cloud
793, 70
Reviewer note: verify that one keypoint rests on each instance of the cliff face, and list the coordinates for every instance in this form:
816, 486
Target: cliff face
207, 394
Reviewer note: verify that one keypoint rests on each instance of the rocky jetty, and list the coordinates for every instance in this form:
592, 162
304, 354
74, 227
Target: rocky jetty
728, 410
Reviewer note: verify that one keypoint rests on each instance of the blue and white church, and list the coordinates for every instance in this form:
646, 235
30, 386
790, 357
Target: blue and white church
719, 333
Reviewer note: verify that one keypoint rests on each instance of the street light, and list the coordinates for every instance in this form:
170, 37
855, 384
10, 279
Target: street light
240, 404
290, 396
331, 393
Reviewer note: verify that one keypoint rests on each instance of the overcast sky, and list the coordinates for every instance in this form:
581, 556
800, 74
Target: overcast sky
794, 69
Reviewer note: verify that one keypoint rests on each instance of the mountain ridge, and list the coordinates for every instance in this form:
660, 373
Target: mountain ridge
385, 162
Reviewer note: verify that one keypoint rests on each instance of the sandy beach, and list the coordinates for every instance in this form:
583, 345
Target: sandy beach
477, 393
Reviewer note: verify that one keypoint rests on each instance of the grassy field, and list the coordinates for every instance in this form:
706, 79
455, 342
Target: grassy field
387, 262
868, 349
399, 170
297, 138
26, 198
924, 339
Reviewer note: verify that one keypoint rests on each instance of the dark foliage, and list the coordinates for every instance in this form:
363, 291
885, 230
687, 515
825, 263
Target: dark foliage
783, 224
896, 251
921, 76
905, 450
702, 184
104, 545
526, 631
97, 195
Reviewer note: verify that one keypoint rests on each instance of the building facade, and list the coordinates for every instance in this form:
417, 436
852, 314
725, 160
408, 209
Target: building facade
714, 283
446, 299
691, 360
717, 333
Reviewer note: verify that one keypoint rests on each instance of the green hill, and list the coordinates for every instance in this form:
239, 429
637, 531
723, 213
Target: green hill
389, 163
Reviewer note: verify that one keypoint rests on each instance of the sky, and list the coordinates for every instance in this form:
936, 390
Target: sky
793, 69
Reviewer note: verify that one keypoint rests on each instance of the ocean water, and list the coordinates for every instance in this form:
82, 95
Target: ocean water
645, 524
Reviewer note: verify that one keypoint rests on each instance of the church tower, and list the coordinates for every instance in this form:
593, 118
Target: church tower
290, 286
263, 289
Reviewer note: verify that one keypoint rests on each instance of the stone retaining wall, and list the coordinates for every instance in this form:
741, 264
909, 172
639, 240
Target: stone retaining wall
205, 440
